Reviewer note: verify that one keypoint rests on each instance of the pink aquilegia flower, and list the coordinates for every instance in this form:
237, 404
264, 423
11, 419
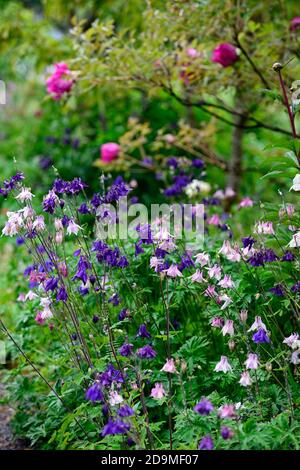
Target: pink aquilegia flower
245, 379
217, 322
292, 341
39, 224
227, 411
59, 82
246, 202
198, 277
214, 220
226, 282
115, 398
265, 228
158, 391
210, 292
39, 319
25, 195
225, 54
295, 23
169, 366
202, 259
252, 361
226, 299
73, 228
257, 324
173, 271
228, 328
109, 152
223, 365
215, 272
295, 359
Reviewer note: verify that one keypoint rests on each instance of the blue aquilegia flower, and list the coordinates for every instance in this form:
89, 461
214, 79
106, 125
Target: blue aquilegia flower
204, 407
126, 349
278, 290
146, 352
125, 411
115, 427
143, 332
94, 393
206, 443
261, 336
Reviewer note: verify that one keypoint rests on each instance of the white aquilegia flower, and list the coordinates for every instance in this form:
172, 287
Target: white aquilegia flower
115, 398
197, 187
73, 228
223, 365
295, 241
296, 183
257, 325
25, 195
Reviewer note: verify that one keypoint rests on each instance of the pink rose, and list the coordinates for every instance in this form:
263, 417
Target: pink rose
295, 23
109, 151
58, 83
225, 54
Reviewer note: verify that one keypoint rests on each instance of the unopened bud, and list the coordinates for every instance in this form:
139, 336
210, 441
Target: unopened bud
277, 66
183, 366
268, 366
231, 344
243, 315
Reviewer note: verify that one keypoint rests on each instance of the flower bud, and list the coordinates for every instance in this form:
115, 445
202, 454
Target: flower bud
277, 66
268, 366
243, 315
231, 344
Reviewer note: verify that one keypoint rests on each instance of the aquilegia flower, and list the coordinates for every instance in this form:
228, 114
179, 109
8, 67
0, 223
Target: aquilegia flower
296, 183
228, 328
204, 407
252, 361
143, 332
226, 432
261, 336
158, 391
94, 393
223, 365
173, 271
146, 352
206, 443
257, 324
169, 366
125, 411
126, 349
245, 379
227, 411
115, 427
225, 54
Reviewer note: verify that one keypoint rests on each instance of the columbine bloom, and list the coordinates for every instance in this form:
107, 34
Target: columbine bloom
94, 393
73, 228
228, 328
245, 379
169, 366
252, 361
292, 341
246, 202
109, 152
295, 359
296, 183
264, 227
158, 391
115, 427
226, 282
257, 324
198, 277
206, 443
25, 195
115, 398
126, 349
173, 271
295, 241
204, 407
125, 411
295, 23
226, 432
226, 299
217, 322
215, 272
143, 332
227, 411
39, 224
261, 336
202, 259
225, 54
210, 292
146, 352
223, 365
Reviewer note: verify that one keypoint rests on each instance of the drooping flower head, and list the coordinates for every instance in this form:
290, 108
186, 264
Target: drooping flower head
158, 391
146, 352
223, 365
206, 443
204, 407
169, 366
252, 361
261, 336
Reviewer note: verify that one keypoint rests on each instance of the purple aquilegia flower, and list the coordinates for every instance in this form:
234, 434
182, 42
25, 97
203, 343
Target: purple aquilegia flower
288, 256
124, 313
248, 242
125, 411
110, 375
94, 393
226, 432
51, 284
278, 290
143, 332
204, 407
62, 294
206, 443
146, 352
126, 349
296, 287
49, 202
261, 337
114, 300
115, 427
